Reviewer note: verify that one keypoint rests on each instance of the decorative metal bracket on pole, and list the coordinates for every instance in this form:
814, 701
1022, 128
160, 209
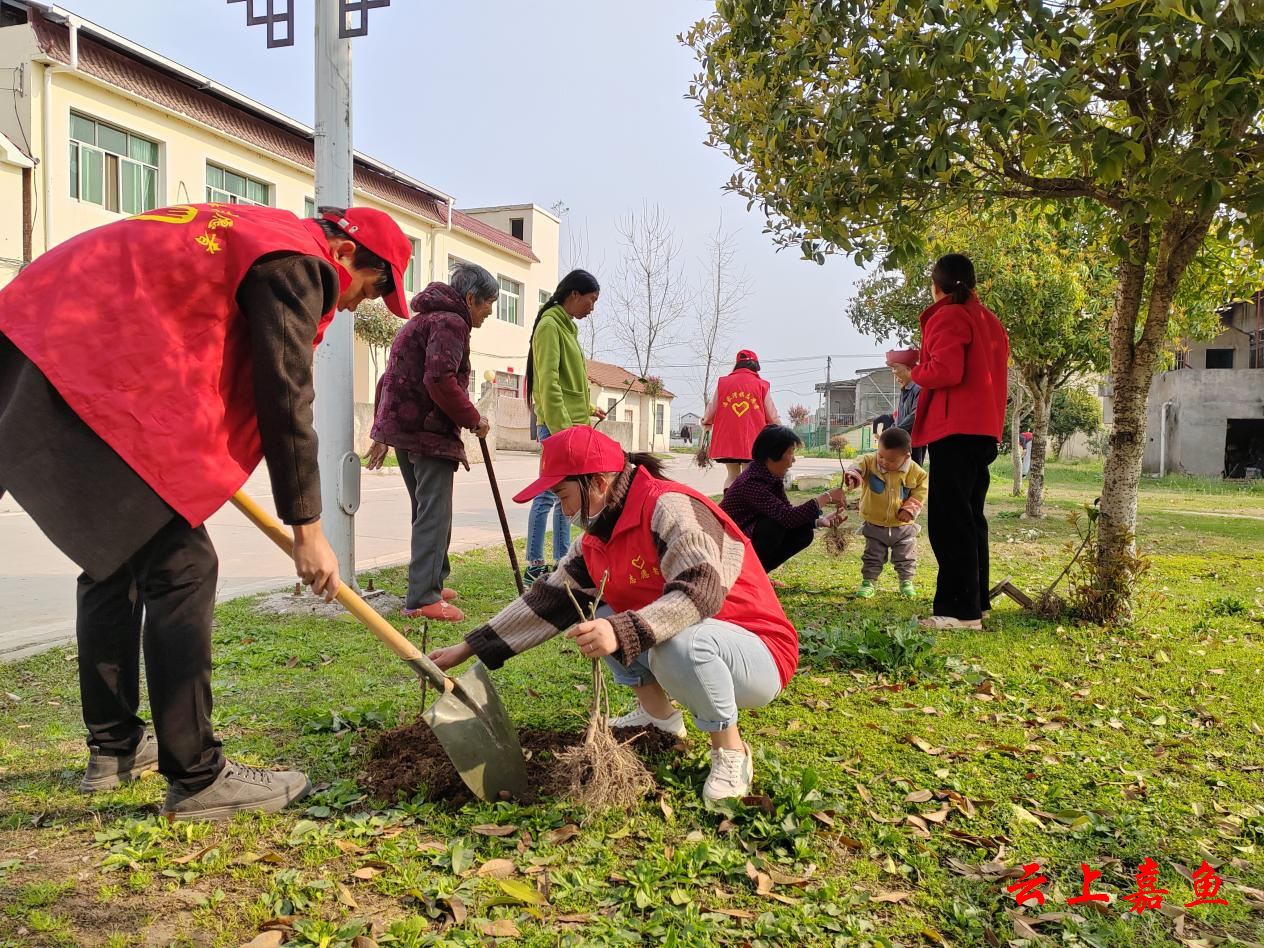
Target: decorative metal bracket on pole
334, 366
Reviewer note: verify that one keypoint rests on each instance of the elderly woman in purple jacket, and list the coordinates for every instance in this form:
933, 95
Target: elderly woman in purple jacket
422, 406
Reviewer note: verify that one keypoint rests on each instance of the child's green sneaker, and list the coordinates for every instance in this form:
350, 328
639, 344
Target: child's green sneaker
907, 589
866, 590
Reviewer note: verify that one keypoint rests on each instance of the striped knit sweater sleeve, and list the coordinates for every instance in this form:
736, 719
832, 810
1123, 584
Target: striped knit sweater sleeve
699, 561
538, 614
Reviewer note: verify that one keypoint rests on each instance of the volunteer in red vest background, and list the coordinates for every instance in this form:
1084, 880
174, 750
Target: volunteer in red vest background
691, 614
960, 415
145, 368
739, 411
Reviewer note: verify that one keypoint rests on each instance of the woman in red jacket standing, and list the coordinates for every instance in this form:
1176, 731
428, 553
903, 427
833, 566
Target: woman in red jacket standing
960, 416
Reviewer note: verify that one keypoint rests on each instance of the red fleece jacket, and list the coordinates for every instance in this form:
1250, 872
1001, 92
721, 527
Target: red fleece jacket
962, 372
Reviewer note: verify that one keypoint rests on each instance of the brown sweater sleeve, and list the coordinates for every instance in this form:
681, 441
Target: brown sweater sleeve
283, 297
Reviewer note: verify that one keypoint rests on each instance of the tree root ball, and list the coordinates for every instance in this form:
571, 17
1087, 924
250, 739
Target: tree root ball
604, 772
407, 761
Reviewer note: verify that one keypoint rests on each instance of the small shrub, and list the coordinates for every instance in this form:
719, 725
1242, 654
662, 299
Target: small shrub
1227, 606
899, 649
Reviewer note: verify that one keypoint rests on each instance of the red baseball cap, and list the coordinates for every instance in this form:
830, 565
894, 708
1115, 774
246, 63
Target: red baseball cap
574, 451
377, 231
907, 357
743, 354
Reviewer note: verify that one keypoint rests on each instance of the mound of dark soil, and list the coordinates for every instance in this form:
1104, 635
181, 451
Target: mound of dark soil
407, 760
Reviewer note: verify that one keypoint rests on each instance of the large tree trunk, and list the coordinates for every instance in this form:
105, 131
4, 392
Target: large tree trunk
1042, 400
1133, 360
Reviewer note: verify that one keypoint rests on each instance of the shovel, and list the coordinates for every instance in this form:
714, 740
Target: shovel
500, 509
467, 718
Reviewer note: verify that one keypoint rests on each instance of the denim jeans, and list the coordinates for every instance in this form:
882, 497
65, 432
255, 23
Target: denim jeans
712, 668
538, 521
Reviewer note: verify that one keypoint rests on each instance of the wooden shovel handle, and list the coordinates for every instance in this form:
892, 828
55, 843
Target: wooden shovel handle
346, 595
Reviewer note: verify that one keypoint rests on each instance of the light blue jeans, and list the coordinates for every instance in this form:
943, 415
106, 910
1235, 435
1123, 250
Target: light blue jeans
538, 521
712, 668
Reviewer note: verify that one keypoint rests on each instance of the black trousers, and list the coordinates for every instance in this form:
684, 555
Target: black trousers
919, 455
168, 587
774, 544
958, 530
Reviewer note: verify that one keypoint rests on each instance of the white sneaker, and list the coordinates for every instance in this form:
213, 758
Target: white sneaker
675, 725
731, 773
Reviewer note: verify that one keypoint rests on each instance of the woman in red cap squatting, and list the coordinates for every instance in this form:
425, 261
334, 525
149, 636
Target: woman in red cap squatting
739, 411
145, 368
691, 614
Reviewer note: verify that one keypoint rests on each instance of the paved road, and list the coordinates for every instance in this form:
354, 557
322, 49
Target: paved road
37, 583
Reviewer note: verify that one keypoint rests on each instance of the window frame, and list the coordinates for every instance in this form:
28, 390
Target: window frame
506, 293
414, 266
112, 167
224, 196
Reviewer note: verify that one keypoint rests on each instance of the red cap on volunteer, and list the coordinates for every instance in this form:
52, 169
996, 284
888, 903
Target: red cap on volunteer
569, 453
745, 354
907, 357
377, 231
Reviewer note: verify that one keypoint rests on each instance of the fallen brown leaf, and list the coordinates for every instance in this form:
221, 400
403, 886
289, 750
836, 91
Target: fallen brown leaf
919, 796
366, 873
345, 897
501, 928
496, 868
491, 829
563, 834
270, 939
733, 913
890, 895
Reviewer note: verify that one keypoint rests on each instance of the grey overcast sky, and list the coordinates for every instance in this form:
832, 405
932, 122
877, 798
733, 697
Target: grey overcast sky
506, 101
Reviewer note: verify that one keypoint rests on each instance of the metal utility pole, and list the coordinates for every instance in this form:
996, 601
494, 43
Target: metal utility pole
334, 366
337, 21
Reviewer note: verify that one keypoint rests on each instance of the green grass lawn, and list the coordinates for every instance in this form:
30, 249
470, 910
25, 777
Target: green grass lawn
900, 777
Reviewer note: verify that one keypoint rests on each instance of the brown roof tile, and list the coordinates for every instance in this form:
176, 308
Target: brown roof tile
131, 75
608, 375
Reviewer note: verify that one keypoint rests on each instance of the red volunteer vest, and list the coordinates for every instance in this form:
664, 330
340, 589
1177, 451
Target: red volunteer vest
136, 325
635, 579
739, 414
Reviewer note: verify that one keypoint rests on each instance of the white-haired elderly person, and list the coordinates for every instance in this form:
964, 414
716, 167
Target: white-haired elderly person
422, 406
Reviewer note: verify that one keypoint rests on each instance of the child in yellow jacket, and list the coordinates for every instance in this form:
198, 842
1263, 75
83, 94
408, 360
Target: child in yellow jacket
892, 491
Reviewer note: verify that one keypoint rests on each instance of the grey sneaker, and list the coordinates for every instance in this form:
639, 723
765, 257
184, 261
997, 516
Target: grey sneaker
107, 771
238, 789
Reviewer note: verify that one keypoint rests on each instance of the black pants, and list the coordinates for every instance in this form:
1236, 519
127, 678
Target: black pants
919, 455
774, 544
959, 481
170, 584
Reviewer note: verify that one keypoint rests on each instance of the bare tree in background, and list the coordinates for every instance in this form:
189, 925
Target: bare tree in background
649, 292
575, 253
723, 289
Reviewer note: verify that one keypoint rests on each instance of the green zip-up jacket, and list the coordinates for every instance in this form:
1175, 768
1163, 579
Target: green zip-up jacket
559, 385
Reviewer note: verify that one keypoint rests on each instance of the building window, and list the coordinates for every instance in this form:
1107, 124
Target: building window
659, 412
414, 264
453, 263
627, 415
508, 384
111, 167
1219, 358
544, 297
516, 227
509, 307
229, 187
611, 405
309, 207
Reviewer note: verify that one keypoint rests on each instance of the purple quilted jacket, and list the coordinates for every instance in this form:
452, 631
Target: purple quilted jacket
422, 403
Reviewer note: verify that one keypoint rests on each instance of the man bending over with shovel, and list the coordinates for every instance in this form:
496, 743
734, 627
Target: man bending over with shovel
145, 368
692, 615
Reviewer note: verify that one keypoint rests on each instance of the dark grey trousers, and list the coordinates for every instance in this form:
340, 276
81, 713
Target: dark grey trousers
429, 483
899, 543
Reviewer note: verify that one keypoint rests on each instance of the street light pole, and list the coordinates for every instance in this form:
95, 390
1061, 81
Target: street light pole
334, 368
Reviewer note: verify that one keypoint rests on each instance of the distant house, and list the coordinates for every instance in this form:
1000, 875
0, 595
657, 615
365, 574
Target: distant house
640, 421
690, 422
858, 400
1206, 416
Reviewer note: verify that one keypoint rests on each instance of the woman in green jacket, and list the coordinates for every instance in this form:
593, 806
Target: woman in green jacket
557, 384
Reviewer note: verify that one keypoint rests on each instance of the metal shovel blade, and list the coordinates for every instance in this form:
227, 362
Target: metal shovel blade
483, 746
